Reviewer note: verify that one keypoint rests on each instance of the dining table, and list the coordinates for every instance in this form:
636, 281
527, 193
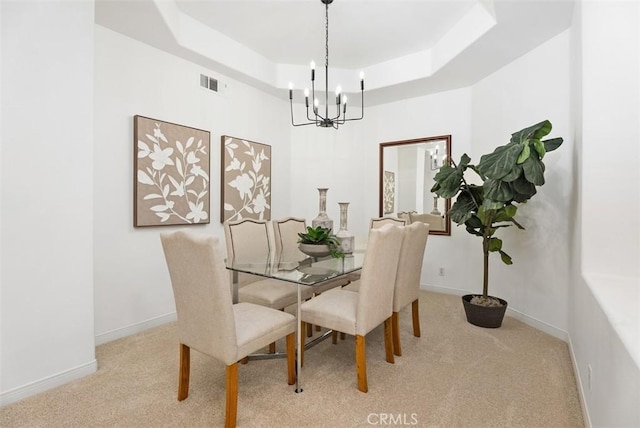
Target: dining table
304, 272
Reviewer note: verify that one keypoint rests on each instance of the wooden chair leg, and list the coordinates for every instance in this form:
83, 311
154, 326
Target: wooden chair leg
416, 317
342, 336
183, 381
388, 340
231, 406
318, 328
291, 358
245, 360
272, 348
334, 337
309, 330
396, 335
361, 363
302, 341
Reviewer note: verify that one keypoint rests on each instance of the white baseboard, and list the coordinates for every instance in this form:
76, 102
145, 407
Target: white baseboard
533, 322
119, 333
48, 383
580, 386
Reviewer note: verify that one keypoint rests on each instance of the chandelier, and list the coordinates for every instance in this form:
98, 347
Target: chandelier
317, 118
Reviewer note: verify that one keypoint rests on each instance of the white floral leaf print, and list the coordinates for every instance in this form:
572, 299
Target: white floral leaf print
242, 165
197, 213
143, 149
161, 157
152, 138
246, 143
158, 208
228, 207
202, 194
192, 158
152, 196
248, 209
230, 151
163, 216
179, 189
256, 165
179, 146
179, 166
144, 178
192, 192
198, 171
189, 143
199, 144
165, 190
190, 180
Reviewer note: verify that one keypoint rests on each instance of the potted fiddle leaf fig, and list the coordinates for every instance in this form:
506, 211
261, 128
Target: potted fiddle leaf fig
509, 178
319, 242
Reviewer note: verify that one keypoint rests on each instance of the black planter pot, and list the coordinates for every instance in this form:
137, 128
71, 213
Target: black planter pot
484, 316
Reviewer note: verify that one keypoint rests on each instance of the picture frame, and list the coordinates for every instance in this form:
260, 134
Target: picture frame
171, 173
245, 185
389, 192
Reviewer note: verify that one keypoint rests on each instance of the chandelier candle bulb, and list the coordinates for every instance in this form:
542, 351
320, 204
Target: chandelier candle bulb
313, 71
290, 90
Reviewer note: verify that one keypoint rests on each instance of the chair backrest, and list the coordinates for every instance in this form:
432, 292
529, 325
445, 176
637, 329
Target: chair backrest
377, 280
407, 284
285, 235
247, 241
202, 294
434, 221
377, 223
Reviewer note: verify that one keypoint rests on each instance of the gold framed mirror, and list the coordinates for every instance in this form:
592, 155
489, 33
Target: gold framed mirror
407, 168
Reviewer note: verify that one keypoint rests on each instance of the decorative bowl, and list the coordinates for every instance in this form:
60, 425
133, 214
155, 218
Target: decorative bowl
314, 250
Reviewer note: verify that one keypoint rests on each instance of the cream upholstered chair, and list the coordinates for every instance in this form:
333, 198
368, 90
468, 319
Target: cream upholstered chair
407, 283
210, 323
359, 313
374, 223
405, 215
434, 221
285, 234
247, 241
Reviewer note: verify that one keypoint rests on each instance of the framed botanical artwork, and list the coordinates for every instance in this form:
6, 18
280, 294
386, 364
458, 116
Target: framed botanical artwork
171, 173
246, 180
389, 191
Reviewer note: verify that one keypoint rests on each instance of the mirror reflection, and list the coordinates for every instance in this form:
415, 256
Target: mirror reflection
407, 169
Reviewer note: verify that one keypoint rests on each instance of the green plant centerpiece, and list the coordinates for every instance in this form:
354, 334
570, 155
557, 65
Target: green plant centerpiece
322, 237
509, 177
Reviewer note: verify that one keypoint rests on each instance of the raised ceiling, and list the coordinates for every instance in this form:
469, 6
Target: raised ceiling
405, 48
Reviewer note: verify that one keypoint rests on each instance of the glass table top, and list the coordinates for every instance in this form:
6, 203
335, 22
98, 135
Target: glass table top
298, 269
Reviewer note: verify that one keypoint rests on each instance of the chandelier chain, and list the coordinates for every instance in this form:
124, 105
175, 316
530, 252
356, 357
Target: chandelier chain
326, 37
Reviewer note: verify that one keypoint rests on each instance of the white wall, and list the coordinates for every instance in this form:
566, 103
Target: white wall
531, 89
46, 192
132, 288
605, 294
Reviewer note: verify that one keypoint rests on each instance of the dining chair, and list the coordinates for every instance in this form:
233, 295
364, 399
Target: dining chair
407, 283
285, 234
208, 320
434, 221
374, 223
405, 215
359, 313
247, 241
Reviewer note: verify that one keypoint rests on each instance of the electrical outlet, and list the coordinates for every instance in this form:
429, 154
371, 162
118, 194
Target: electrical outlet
441, 271
589, 376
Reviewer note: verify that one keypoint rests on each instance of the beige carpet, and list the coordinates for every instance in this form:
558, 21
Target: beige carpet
455, 375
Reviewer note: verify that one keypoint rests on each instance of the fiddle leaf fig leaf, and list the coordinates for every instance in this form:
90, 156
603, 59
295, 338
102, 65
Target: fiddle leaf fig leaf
534, 171
515, 172
539, 147
524, 189
524, 154
506, 213
536, 132
448, 181
462, 209
498, 190
506, 258
552, 144
500, 163
495, 244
